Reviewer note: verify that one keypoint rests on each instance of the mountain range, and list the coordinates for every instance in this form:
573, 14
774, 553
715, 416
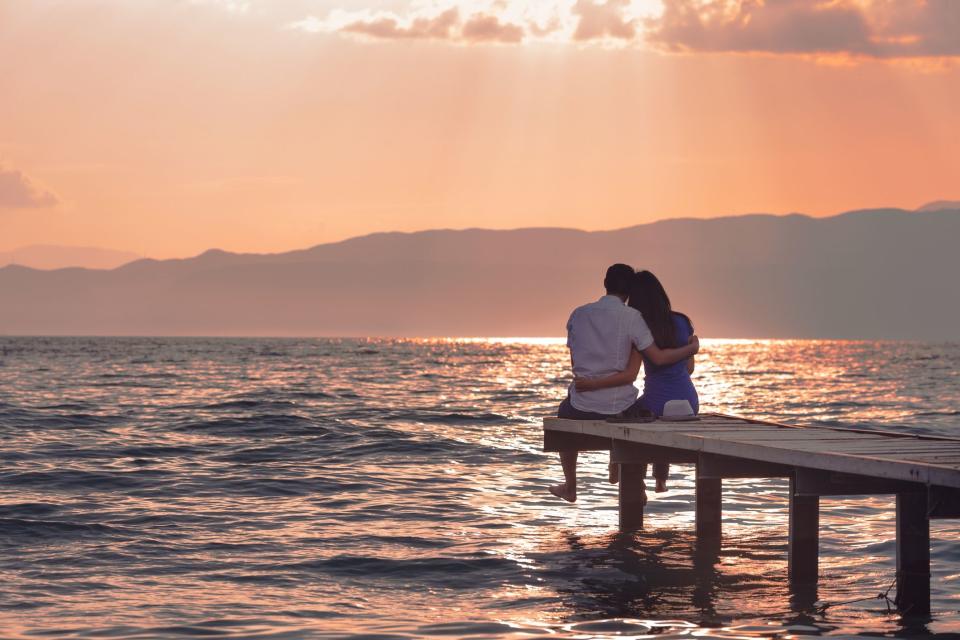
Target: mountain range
45, 256
868, 274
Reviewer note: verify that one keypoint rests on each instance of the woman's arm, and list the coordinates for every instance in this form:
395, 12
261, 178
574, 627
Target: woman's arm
661, 357
627, 376
691, 364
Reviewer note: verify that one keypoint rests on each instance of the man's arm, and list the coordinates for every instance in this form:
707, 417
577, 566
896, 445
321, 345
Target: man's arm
643, 340
625, 377
662, 357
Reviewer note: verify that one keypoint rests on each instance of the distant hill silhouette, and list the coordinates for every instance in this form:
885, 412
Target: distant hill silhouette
885, 273
59, 257
941, 205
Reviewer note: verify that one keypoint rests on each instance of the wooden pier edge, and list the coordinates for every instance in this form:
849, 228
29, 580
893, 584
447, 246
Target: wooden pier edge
923, 473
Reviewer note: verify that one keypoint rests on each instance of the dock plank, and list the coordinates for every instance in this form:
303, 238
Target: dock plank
798, 436
829, 449
847, 446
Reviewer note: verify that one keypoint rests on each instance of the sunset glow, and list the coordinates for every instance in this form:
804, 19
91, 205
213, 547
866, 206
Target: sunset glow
479, 318
166, 129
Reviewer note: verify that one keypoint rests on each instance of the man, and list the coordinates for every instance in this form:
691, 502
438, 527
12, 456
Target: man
600, 336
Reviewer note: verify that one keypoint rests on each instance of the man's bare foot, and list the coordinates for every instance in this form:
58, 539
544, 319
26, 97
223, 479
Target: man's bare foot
561, 491
614, 473
661, 485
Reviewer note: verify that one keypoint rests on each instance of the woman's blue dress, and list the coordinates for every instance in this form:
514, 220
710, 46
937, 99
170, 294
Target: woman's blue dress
670, 382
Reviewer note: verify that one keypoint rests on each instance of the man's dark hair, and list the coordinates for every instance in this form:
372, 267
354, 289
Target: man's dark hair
619, 280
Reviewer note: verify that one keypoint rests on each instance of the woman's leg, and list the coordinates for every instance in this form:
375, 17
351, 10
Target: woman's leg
661, 471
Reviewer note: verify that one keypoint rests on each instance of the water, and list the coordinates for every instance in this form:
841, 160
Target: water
333, 488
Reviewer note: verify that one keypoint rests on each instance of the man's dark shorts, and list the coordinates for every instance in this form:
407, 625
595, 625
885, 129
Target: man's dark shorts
570, 412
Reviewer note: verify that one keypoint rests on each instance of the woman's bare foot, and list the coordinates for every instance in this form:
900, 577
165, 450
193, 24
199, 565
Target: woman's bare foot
614, 473
661, 485
561, 491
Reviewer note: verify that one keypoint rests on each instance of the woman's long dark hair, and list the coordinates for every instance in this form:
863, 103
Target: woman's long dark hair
650, 298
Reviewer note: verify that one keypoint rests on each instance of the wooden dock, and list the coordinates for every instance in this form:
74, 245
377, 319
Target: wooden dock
922, 471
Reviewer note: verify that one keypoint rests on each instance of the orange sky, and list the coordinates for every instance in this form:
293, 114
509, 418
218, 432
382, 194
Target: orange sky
167, 128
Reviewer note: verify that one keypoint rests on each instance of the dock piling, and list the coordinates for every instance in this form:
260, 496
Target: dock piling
913, 554
804, 527
633, 496
709, 510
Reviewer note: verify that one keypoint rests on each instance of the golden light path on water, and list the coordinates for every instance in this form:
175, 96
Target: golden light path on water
816, 383
313, 488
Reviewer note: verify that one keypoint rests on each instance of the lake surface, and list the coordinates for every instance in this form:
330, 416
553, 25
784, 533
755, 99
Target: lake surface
388, 489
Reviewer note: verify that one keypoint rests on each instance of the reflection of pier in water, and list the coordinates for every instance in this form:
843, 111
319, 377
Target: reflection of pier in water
922, 471
657, 574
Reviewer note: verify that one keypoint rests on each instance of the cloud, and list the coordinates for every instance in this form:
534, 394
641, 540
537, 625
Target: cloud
849, 29
920, 29
488, 28
598, 20
885, 29
17, 191
450, 25
607, 22
389, 27
494, 21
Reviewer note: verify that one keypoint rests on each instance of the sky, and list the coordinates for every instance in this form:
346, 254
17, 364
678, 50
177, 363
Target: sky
167, 127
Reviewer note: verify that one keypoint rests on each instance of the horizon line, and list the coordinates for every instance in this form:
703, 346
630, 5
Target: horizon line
531, 340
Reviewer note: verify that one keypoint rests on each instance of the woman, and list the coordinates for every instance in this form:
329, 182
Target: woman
660, 383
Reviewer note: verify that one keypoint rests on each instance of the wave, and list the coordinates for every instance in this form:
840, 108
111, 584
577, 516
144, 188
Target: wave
260, 424
21, 527
312, 395
439, 571
74, 480
248, 404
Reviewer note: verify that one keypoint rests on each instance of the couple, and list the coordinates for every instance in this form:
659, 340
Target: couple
608, 340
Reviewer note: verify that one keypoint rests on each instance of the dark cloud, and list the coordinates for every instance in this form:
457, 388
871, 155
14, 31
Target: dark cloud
17, 191
878, 29
921, 29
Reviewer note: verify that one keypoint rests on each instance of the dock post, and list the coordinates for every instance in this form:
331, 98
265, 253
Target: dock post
709, 511
804, 536
633, 496
913, 554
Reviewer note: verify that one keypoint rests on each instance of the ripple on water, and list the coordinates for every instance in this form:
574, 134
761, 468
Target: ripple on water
395, 489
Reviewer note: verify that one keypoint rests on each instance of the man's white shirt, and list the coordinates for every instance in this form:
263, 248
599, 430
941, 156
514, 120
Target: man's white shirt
600, 336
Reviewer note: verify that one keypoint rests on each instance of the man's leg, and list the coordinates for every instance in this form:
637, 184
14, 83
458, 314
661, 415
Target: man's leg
567, 490
568, 460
